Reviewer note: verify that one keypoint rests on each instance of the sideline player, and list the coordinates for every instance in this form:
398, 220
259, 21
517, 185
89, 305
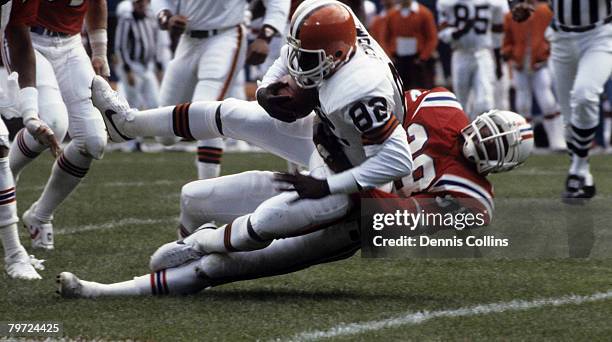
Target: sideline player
63, 63
582, 63
210, 54
16, 19
473, 28
452, 158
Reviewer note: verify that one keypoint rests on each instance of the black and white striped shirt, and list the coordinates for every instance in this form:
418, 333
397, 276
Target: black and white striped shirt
137, 41
581, 15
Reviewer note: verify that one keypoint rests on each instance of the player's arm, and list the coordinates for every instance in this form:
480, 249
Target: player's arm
275, 20
385, 144
96, 19
23, 61
430, 33
499, 11
386, 147
167, 18
124, 42
508, 41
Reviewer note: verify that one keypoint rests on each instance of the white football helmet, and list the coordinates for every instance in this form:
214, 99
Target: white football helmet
497, 141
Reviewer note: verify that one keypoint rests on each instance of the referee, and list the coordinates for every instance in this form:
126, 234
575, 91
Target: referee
141, 48
582, 63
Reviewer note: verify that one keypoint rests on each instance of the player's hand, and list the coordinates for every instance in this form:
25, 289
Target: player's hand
100, 66
276, 105
499, 72
43, 134
522, 11
307, 187
257, 52
177, 23
469, 24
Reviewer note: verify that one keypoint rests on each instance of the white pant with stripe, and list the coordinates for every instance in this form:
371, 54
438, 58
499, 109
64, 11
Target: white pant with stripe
204, 69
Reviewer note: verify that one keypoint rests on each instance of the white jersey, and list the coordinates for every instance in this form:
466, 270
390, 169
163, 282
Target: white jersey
485, 13
363, 104
218, 14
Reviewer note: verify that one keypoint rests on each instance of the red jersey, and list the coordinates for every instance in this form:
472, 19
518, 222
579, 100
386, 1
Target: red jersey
23, 12
433, 122
65, 16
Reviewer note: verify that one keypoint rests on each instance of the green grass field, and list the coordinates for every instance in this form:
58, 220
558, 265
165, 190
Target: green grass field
128, 205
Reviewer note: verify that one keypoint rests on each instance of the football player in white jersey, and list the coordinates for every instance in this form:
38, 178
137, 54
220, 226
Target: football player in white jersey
473, 29
210, 54
437, 126
360, 100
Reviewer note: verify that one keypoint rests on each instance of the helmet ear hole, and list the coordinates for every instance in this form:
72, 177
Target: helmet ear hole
338, 54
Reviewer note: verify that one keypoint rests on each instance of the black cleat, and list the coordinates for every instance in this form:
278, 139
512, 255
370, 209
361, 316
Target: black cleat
576, 192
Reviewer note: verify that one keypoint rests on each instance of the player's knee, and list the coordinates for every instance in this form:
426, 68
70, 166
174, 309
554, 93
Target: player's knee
584, 95
194, 197
95, 145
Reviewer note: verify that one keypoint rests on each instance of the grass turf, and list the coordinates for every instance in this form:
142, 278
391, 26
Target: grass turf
139, 194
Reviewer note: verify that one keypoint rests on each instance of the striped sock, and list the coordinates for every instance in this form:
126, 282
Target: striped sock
578, 145
580, 141
209, 160
66, 174
23, 151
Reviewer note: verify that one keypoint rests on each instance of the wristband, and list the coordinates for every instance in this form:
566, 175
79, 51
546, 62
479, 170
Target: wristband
28, 103
98, 41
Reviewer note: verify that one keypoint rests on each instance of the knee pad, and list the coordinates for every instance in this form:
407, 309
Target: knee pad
584, 96
94, 146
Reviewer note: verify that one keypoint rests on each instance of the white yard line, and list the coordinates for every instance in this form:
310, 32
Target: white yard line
115, 224
114, 184
414, 318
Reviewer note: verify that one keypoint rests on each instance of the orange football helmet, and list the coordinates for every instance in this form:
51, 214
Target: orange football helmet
322, 36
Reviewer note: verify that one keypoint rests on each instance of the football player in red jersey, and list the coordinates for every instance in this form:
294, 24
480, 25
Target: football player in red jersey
452, 158
66, 72
17, 17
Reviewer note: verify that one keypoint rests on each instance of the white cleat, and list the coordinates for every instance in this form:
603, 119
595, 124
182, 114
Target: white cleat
113, 107
41, 232
173, 254
69, 286
19, 266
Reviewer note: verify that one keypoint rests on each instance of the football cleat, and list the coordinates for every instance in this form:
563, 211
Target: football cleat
576, 191
113, 107
69, 286
173, 254
19, 266
41, 233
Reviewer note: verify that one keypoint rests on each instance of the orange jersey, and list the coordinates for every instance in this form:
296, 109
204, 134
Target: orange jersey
64, 16
419, 23
23, 12
518, 37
